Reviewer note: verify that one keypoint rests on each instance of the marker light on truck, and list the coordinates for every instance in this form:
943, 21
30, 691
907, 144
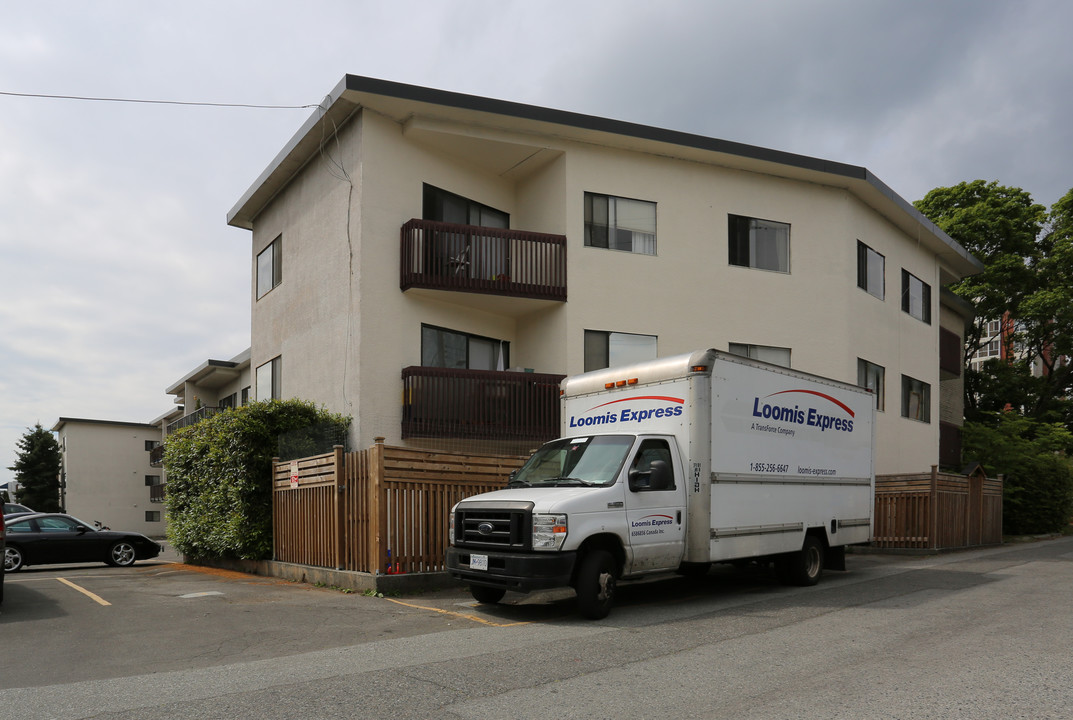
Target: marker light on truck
549, 532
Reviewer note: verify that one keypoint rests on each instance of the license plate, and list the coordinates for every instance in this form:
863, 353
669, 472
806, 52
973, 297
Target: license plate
478, 562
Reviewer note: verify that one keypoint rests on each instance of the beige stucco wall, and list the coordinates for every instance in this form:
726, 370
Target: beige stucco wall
345, 331
105, 465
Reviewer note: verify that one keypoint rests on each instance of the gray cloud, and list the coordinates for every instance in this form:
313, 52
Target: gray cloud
121, 274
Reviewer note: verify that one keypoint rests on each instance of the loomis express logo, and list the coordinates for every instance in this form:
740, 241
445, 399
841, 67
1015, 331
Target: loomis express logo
626, 411
781, 410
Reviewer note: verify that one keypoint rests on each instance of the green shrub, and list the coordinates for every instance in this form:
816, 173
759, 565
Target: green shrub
219, 485
1033, 457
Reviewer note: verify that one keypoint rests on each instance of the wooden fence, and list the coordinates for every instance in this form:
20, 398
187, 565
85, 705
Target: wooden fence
380, 510
937, 510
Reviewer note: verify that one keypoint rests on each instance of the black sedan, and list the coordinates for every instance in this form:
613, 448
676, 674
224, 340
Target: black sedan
49, 538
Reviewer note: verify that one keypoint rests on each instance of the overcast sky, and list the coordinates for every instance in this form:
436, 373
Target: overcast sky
121, 275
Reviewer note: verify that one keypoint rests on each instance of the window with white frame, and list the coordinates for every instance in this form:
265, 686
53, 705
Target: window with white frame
759, 244
766, 353
615, 349
268, 380
270, 267
872, 376
916, 297
620, 223
870, 271
916, 399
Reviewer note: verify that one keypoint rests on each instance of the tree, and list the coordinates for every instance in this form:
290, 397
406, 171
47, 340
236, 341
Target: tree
37, 470
1026, 283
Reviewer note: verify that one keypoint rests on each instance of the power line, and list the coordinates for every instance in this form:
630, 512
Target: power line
157, 102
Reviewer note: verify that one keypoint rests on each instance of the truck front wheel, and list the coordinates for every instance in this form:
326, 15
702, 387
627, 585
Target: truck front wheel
486, 595
595, 584
803, 567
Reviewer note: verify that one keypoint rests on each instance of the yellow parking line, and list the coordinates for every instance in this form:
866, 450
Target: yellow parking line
87, 593
474, 618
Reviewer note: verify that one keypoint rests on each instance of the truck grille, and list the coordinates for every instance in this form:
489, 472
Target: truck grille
480, 527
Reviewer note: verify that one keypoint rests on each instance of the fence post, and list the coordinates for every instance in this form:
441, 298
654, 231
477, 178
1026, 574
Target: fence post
377, 510
933, 511
339, 484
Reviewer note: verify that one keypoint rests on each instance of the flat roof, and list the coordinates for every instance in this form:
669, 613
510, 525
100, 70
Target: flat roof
402, 102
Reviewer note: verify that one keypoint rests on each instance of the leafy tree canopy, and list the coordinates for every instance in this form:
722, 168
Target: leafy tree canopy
1027, 283
37, 470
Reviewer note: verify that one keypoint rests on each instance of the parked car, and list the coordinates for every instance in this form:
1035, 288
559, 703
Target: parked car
50, 538
14, 508
3, 570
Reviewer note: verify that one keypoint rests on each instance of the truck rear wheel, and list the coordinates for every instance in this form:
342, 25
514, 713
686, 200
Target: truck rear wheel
486, 595
803, 567
595, 584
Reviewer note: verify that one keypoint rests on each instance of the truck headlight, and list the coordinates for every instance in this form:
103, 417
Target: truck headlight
549, 532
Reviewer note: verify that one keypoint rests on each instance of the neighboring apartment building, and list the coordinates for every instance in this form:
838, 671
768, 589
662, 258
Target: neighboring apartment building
106, 474
411, 247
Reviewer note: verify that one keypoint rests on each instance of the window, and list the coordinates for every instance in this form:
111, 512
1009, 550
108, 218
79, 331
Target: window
269, 384
652, 451
916, 297
620, 224
151, 480
871, 376
765, 353
916, 399
152, 516
443, 206
151, 445
246, 395
228, 402
870, 271
760, 244
451, 349
614, 349
270, 267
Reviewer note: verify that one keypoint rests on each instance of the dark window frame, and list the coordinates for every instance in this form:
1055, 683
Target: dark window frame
865, 256
599, 232
909, 384
504, 346
270, 280
908, 281
863, 367
739, 230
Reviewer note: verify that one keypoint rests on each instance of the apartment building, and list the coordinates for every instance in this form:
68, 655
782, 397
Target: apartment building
432, 263
106, 475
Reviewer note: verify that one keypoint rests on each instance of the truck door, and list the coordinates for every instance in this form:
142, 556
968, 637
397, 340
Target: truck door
655, 506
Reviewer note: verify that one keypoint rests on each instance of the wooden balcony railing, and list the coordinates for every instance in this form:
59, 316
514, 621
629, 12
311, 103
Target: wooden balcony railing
486, 404
157, 493
156, 456
464, 258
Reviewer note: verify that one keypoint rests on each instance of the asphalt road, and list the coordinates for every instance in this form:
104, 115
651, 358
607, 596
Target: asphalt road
980, 634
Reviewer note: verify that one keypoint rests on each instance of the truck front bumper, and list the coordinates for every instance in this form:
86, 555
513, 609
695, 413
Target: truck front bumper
520, 572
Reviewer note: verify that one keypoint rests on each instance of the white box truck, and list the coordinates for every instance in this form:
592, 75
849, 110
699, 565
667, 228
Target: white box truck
671, 465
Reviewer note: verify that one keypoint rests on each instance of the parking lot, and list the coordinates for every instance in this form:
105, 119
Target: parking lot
981, 633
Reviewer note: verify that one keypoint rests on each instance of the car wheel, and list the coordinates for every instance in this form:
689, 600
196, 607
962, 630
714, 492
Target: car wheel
122, 554
803, 567
13, 560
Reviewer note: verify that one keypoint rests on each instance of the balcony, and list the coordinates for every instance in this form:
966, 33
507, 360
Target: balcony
156, 456
193, 418
490, 261
157, 493
479, 404
951, 354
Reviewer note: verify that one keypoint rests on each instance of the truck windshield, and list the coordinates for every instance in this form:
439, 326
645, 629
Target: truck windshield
580, 461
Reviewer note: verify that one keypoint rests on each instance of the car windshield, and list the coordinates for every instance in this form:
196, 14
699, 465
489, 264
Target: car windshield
580, 461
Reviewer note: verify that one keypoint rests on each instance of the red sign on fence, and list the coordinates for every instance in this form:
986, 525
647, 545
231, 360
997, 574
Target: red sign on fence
294, 473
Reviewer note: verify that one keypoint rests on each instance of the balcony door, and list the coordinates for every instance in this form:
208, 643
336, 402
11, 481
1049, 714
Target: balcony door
469, 254
462, 351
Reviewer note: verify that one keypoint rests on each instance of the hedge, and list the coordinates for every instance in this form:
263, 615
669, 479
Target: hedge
219, 487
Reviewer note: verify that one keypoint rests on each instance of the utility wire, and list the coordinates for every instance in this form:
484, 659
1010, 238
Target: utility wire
157, 102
